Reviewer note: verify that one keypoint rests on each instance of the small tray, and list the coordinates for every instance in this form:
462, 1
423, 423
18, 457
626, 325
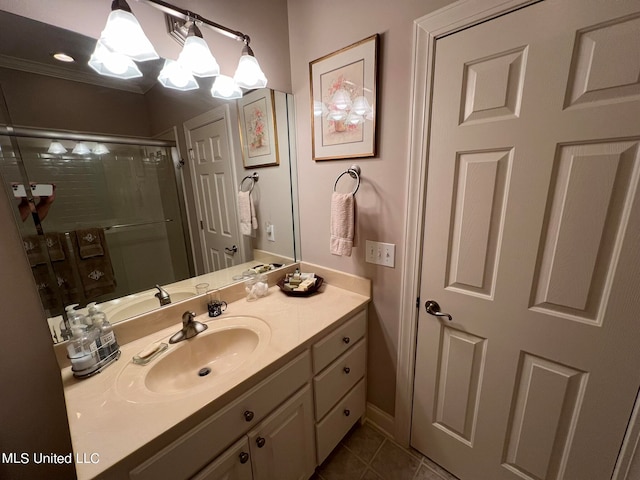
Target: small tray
293, 293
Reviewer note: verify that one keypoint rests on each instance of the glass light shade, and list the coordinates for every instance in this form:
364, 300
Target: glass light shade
100, 149
248, 74
354, 119
341, 99
123, 34
319, 109
226, 88
56, 148
336, 115
112, 64
81, 149
197, 58
175, 75
361, 106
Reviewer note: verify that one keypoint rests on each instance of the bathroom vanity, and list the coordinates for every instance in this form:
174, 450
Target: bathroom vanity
285, 384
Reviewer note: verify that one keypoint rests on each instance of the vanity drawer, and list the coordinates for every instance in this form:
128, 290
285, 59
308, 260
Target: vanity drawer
339, 420
339, 377
195, 449
338, 341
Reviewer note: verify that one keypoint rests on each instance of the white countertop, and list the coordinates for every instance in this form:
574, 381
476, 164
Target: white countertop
103, 420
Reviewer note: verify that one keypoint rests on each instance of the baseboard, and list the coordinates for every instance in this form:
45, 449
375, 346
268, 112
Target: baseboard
381, 419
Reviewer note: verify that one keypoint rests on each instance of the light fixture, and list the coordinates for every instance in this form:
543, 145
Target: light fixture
175, 75
226, 88
123, 34
81, 149
361, 106
56, 148
341, 99
63, 57
319, 109
100, 149
248, 74
112, 64
196, 56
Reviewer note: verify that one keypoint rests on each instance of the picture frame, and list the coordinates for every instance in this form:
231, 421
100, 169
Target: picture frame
258, 129
343, 102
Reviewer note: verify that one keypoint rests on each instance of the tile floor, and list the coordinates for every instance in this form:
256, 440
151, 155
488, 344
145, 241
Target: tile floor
367, 453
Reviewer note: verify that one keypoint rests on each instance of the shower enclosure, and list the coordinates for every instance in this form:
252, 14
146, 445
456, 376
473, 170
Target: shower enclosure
100, 217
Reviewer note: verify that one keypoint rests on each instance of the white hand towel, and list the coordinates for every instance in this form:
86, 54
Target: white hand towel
342, 223
247, 211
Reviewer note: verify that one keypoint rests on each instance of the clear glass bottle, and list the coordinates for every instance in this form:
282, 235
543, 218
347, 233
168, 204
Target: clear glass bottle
106, 336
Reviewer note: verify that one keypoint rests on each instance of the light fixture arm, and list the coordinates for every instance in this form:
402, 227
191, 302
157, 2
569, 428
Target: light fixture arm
186, 15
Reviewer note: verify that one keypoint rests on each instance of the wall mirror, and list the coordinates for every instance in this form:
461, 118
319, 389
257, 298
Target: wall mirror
122, 184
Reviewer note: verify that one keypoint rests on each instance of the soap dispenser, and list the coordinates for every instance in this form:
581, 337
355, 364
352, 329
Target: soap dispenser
108, 344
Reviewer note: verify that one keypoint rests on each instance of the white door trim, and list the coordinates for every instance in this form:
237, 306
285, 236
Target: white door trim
426, 31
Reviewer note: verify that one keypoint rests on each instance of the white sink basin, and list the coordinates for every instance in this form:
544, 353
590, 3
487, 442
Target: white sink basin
198, 363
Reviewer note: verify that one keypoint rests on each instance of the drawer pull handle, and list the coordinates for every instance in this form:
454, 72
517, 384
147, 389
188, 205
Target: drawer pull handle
346, 340
244, 457
347, 370
347, 412
260, 441
248, 415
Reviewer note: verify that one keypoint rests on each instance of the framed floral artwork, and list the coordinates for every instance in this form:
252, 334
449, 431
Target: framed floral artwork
258, 131
343, 102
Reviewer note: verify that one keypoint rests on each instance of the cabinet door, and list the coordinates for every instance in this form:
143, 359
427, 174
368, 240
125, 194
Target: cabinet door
283, 445
233, 464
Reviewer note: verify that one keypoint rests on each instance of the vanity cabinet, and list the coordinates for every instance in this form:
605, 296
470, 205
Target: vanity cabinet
339, 365
282, 427
281, 447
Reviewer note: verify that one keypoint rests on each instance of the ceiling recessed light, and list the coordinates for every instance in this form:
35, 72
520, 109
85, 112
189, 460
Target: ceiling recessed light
63, 57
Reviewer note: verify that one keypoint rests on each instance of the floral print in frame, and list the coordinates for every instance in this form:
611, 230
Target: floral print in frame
258, 132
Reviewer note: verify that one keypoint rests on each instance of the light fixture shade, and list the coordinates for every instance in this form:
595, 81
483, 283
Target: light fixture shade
175, 75
100, 149
336, 115
56, 148
341, 99
354, 119
226, 88
319, 109
249, 74
81, 149
123, 34
197, 58
361, 106
112, 64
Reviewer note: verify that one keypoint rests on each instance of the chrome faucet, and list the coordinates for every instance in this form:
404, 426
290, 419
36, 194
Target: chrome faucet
190, 328
163, 296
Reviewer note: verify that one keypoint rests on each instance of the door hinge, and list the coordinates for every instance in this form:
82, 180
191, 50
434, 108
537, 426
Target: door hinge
418, 302
191, 155
201, 225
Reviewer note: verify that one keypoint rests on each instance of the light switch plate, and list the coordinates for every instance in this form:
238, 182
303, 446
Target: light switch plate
380, 253
271, 232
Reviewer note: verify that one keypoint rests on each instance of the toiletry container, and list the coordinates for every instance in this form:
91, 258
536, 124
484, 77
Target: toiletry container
82, 348
106, 336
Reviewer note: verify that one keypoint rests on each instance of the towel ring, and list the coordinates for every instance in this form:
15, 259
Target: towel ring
354, 172
253, 179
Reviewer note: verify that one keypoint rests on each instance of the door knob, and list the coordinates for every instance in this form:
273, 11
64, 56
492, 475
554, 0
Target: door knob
433, 308
232, 250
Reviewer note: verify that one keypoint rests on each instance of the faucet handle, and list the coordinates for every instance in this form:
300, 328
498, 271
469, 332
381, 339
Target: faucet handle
187, 317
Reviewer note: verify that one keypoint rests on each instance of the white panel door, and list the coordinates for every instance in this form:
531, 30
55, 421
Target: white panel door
211, 165
532, 244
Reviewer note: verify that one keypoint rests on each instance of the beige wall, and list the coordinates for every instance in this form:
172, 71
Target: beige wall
316, 29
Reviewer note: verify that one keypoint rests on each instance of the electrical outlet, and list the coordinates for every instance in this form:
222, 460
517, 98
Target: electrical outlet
380, 253
271, 232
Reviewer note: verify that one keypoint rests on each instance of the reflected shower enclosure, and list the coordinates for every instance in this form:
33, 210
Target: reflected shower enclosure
110, 215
